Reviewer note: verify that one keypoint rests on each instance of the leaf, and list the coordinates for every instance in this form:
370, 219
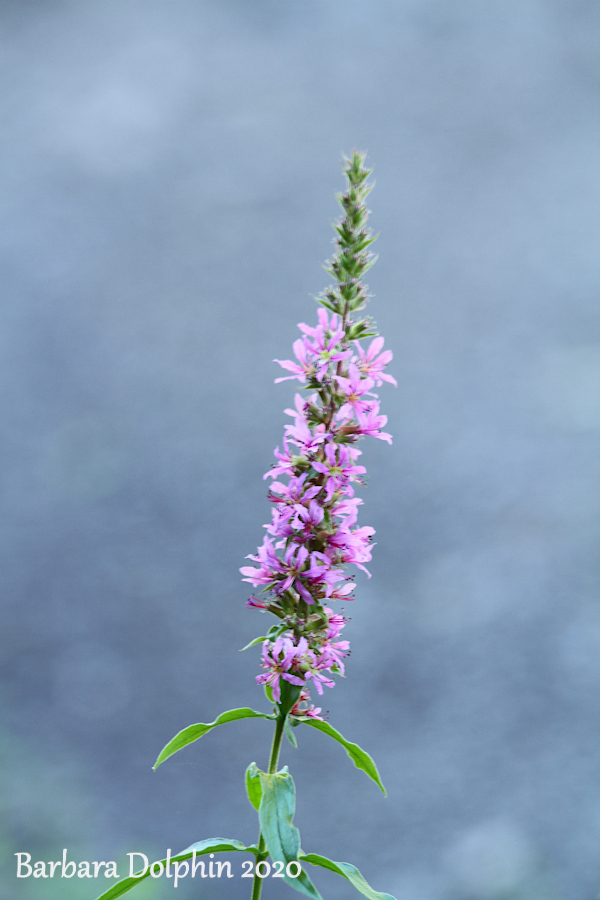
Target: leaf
273, 633
253, 785
258, 640
359, 757
289, 696
275, 813
327, 304
346, 870
269, 693
287, 727
211, 845
193, 732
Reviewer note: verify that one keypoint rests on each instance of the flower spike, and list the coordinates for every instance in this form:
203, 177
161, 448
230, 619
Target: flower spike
313, 533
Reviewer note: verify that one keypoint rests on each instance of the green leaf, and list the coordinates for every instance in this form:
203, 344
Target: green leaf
269, 693
327, 304
288, 697
359, 757
272, 634
193, 732
211, 845
275, 813
258, 640
253, 785
346, 870
289, 733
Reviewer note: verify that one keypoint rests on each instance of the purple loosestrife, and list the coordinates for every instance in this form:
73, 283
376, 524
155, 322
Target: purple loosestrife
313, 533
301, 565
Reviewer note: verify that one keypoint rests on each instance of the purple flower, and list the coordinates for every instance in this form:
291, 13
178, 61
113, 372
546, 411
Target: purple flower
281, 525
295, 493
254, 603
331, 655
346, 507
354, 546
302, 435
286, 465
343, 592
335, 623
277, 659
294, 559
354, 387
370, 364
307, 519
325, 338
338, 468
301, 709
319, 679
370, 423
305, 357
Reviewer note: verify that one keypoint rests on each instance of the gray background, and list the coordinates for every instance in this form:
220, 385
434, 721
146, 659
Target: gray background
167, 177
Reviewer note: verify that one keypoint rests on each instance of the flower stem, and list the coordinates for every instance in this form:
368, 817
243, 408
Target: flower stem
276, 744
275, 748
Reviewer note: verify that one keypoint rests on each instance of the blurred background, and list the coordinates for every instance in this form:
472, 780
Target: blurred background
168, 176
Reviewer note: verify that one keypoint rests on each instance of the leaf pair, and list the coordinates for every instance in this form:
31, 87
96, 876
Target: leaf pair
225, 845
274, 796
359, 757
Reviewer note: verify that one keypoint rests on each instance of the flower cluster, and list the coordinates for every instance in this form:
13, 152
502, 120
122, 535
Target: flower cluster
297, 662
313, 533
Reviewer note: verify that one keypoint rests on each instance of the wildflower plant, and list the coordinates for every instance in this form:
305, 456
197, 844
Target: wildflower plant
313, 535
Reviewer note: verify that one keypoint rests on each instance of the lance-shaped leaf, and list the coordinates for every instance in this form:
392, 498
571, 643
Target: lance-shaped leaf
193, 732
359, 757
275, 813
257, 640
290, 694
269, 693
273, 633
346, 870
287, 728
253, 785
211, 845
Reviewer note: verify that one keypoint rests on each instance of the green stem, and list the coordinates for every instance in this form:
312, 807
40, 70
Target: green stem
257, 883
275, 748
276, 744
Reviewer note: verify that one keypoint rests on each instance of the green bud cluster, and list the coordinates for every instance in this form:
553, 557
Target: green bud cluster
352, 258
